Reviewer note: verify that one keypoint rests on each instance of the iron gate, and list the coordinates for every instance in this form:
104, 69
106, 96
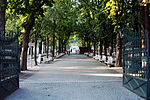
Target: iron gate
136, 62
9, 64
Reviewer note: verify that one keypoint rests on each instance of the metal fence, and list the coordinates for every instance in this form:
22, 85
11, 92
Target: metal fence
136, 62
9, 64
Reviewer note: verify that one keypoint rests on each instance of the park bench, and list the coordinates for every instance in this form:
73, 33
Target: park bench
96, 57
90, 54
111, 61
86, 53
43, 58
59, 55
103, 58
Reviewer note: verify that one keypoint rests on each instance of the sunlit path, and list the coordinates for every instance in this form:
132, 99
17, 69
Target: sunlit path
74, 77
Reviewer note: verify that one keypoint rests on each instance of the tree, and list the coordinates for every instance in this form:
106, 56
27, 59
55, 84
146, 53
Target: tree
49, 25
59, 22
29, 10
37, 28
93, 15
115, 13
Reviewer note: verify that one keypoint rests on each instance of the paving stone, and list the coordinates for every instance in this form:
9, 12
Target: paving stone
74, 77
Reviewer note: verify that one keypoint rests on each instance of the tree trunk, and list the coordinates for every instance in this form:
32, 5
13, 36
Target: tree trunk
118, 51
35, 48
44, 47
147, 27
3, 4
94, 52
47, 46
89, 46
101, 48
28, 28
135, 12
40, 47
62, 47
24, 51
105, 49
20, 48
105, 52
59, 46
84, 43
32, 51
53, 46
65, 47
142, 16
147, 19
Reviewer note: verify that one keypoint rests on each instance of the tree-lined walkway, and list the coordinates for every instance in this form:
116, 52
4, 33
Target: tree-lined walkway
74, 77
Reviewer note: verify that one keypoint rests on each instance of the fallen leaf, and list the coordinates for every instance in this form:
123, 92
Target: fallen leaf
49, 95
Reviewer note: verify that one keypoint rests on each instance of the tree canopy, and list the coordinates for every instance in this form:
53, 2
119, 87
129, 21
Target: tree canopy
93, 21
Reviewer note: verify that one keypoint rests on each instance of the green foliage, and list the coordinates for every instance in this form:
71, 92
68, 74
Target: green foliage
25, 9
91, 20
60, 20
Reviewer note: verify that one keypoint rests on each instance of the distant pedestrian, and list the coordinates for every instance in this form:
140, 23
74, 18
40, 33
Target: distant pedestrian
66, 51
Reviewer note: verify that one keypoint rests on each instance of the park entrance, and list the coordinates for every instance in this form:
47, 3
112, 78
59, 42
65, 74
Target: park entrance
9, 64
136, 62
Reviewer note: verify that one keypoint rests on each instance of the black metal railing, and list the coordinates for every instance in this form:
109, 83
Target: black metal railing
136, 54
136, 62
9, 64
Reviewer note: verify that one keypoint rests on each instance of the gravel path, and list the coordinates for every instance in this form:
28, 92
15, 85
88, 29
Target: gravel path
74, 77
